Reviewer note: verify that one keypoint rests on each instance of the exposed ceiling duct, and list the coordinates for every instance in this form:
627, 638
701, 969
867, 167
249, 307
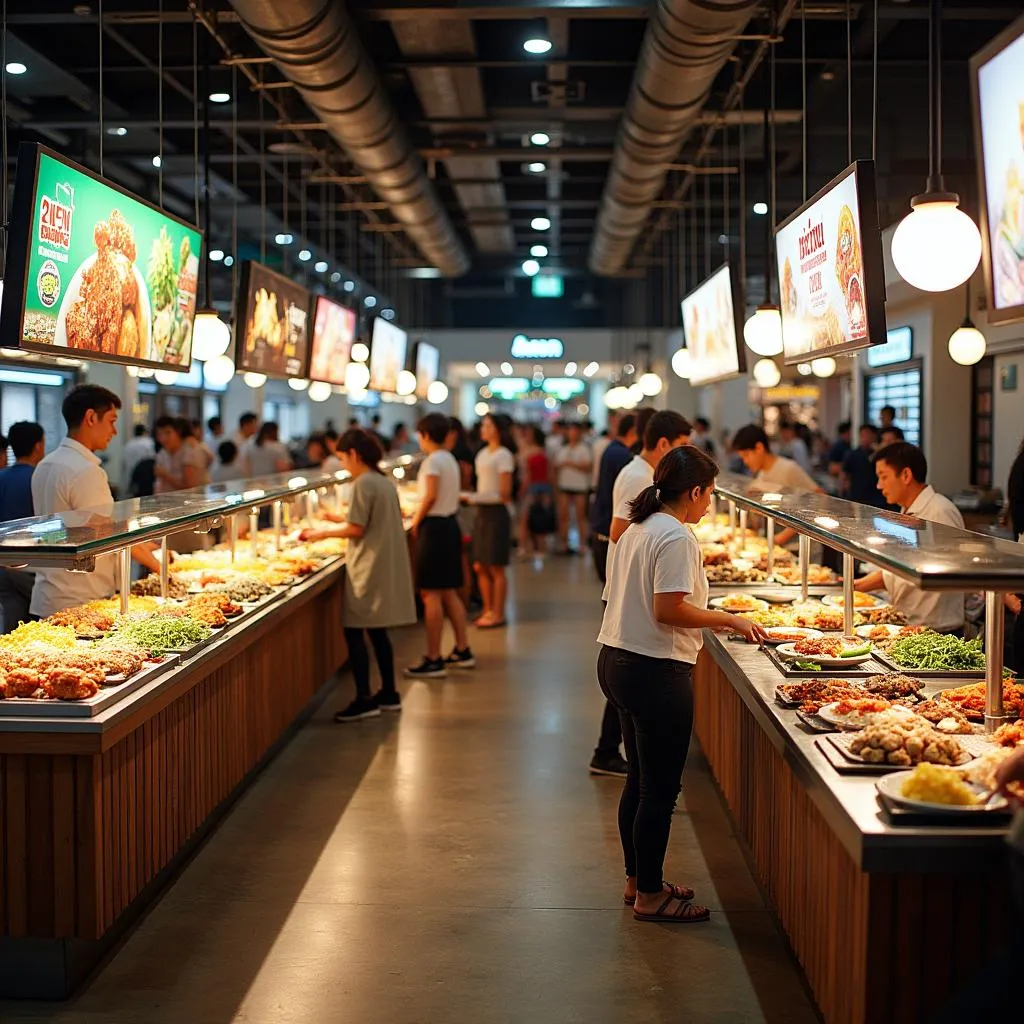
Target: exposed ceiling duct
686, 44
316, 46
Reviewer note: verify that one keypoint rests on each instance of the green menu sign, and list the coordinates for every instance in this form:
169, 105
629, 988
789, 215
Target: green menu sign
96, 271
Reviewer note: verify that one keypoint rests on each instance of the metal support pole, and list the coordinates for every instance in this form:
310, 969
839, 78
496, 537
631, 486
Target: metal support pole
743, 529
714, 507
233, 535
337, 499
847, 595
277, 526
770, 536
805, 560
164, 572
732, 520
254, 529
993, 661
124, 583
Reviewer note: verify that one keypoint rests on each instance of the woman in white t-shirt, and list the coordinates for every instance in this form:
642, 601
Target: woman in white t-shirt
651, 636
437, 559
574, 463
492, 527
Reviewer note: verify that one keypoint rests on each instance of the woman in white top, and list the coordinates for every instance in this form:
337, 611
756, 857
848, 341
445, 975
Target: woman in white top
492, 527
650, 636
575, 464
265, 454
437, 560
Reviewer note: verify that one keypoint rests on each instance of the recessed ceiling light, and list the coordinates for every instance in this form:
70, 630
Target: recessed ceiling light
320, 266
531, 268
537, 167
540, 223
336, 277
158, 162
15, 67
284, 238
305, 255
229, 261
538, 250
828, 76
537, 45
220, 97
349, 286
118, 130
760, 209
370, 301
216, 255
540, 138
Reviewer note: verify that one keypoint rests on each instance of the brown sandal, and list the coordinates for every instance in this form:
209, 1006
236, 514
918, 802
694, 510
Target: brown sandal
678, 892
686, 912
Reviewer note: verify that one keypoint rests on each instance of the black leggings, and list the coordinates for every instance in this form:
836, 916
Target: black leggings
359, 656
654, 700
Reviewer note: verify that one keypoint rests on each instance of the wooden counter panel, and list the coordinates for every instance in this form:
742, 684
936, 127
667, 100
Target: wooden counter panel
874, 947
83, 835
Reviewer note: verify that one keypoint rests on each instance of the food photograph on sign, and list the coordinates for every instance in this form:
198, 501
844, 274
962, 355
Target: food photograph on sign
387, 355
999, 117
274, 314
711, 331
334, 328
104, 273
829, 272
428, 365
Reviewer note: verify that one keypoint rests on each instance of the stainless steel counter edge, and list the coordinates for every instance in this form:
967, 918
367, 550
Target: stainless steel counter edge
203, 653
846, 802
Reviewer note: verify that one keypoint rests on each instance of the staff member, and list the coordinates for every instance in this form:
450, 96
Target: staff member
69, 479
651, 636
28, 442
378, 580
614, 460
902, 472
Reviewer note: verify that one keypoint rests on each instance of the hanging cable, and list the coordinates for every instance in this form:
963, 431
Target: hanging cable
849, 83
3, 143
742, 152
725, 192
207, 190
99, 25
195, 114
874, 84
234, 182
160, 104
803, 93
707, 224
263, 174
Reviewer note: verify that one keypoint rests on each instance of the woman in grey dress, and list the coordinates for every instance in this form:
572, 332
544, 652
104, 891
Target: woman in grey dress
378, 576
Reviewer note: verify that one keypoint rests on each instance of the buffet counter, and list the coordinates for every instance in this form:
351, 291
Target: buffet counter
100, 805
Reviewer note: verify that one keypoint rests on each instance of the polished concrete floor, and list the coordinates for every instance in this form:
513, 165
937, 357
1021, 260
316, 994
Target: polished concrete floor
456, 864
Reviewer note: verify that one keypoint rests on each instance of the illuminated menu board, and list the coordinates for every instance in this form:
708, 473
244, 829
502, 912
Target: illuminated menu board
273, 318
334, 329
831, 275
713, 333
387, 355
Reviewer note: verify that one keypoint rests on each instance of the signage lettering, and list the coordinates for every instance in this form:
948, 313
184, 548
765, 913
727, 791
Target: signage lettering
536, 348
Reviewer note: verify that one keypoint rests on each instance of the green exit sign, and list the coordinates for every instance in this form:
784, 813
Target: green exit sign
547, 286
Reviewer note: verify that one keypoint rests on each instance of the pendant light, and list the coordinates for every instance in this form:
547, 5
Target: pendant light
937, 246
437, 392
763, 330
766, 373
967, 344
823, 366
319, 391
210, 335
681, 363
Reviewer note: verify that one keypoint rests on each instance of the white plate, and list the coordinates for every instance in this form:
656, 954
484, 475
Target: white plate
828, 713
722, 603
892, 786
866, 631
786, 651
803, 631
779, 596
836, 601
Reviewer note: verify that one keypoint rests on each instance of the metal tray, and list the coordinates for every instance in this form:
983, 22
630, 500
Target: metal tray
815, 723
897, 815
30, 707
929, 673
864, 670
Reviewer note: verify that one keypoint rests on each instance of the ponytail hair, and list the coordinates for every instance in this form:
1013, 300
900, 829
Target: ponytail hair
681, 471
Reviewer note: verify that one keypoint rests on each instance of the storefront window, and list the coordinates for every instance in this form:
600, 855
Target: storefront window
902, 390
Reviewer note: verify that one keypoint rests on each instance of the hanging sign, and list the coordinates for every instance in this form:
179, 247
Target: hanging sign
536, 348
712, 331
831, 275
92, 268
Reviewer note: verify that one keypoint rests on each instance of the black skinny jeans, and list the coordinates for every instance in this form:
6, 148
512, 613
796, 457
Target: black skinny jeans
360, 659
654, 699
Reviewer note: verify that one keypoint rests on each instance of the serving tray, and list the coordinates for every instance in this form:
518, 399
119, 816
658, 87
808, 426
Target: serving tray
864, 670
897, 815
929, 673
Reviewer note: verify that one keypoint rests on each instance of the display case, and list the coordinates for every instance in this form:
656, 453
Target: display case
889, 914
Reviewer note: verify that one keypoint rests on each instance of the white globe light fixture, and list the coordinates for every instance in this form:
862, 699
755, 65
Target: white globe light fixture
530, 267
167, 376
681, 363
319, 391
218, 371
766, 373
298, 383
635, 393
360, 352
481, 408
254, 380
823, 367
763, 331
650, 384
967, 344
357, 376
615, 397
804, 369
537, 45
210, 336
406, 384
937, 246
437, 392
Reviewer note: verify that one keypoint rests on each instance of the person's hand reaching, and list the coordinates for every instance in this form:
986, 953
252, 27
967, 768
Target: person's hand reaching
751, 631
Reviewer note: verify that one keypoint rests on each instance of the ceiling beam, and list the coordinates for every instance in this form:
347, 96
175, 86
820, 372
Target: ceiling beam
395, 10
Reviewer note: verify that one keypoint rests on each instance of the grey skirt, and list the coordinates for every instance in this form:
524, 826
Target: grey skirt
492, 535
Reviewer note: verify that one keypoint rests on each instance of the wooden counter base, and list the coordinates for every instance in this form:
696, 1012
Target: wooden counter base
874, 947
88, 839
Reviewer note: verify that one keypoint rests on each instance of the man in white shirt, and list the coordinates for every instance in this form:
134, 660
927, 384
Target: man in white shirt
665, 430
71, 479
902, 472
770, 471
248, 426
140, 447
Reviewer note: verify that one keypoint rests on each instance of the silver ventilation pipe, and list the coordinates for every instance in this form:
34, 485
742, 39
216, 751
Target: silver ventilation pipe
686, 44
316, 46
